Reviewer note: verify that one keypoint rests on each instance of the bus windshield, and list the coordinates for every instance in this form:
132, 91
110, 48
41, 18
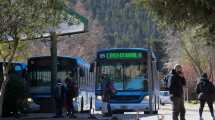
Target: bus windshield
126, 76
43, 77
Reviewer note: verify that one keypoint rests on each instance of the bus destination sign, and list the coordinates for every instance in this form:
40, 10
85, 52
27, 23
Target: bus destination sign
121, 55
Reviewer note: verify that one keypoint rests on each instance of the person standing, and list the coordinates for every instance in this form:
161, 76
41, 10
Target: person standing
177, 83
205, 90
71, 92
59, 98
108, 92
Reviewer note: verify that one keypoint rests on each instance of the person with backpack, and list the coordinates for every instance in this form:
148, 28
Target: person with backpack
167, 79
108, 92
71, 92
205, 91
59, 98
177, 82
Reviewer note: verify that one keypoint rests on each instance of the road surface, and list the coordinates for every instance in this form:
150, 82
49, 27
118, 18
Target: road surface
164, 113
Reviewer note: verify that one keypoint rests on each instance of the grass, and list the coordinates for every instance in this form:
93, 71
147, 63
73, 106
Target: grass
193, 101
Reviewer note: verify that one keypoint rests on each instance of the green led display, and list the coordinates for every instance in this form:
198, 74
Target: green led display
123, 55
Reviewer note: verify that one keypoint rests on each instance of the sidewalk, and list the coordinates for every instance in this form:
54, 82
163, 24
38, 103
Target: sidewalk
188, 106
46, 116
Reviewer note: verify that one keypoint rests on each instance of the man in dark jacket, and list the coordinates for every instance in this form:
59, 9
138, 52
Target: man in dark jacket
176, 92
205, 91
59, 98
71, 91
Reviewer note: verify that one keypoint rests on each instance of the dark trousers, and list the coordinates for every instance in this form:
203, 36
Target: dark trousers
178, 108
109, 109
210, 105
69, 106
59, 107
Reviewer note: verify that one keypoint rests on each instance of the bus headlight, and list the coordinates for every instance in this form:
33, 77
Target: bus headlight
99, 97
146, 97
30, 100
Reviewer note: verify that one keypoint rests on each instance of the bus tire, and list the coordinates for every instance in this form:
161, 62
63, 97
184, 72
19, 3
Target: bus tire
150, 112
162, 103
155, 112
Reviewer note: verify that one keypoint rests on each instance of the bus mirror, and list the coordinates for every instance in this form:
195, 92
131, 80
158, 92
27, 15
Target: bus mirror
92, 67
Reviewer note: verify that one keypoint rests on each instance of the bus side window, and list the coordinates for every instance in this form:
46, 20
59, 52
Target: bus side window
81, 72
92, 65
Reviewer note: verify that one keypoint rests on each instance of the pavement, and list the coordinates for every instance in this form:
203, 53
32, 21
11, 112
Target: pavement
165, 113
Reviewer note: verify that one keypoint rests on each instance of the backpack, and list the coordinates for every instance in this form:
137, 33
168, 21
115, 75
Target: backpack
167, 80
205, 87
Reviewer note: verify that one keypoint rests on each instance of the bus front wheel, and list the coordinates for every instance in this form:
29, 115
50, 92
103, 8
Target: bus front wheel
150, 112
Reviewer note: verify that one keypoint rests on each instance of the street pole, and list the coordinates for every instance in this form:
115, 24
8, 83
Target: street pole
54, 60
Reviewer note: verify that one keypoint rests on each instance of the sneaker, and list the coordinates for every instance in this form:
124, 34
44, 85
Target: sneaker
201, 118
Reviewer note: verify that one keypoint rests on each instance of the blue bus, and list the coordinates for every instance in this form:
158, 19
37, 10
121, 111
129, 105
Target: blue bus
135, 77
39, 73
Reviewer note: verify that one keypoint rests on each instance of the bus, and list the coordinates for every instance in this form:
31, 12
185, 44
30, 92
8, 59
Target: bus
135, 78
39, 73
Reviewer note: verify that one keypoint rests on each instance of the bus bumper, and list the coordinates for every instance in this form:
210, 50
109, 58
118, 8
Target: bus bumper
143, 106
130, 107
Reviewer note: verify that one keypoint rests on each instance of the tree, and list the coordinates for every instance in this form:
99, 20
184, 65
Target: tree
23, 20
192, 20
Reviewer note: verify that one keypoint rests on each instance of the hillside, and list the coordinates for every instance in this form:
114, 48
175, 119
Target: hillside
112, 23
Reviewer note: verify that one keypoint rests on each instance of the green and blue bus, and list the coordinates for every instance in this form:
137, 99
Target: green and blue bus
135, 77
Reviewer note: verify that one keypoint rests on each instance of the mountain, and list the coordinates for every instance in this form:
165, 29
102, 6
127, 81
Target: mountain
112, 23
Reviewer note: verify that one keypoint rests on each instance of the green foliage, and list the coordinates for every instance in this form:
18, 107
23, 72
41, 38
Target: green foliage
124, 24
183, 14
194, 23
28, 19
6, 49
25, 18
192, 12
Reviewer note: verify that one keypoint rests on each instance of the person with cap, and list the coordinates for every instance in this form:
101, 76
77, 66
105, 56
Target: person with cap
177, 82
59, 98
205, 90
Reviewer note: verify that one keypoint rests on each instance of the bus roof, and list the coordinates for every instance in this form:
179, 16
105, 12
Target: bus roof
80, 61
122, 49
